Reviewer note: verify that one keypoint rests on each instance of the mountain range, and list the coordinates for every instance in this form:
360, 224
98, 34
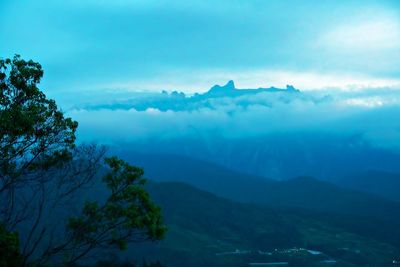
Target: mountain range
303, 193
206, 230
179, 101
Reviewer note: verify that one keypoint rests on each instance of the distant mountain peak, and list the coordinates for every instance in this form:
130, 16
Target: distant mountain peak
229, 89
290, 88
230, 85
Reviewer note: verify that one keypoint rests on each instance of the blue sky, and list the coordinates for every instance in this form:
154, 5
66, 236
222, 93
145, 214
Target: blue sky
98, 45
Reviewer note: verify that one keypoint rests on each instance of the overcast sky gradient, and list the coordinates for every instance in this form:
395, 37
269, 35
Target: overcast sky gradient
191, 45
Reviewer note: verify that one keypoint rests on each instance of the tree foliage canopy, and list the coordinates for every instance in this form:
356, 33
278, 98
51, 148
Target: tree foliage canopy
34, 133
43, 173
9, 249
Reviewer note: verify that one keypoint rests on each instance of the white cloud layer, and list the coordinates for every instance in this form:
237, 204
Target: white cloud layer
372, 114
374, 34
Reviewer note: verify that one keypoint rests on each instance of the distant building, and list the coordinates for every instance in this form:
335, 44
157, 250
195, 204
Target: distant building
329, 261
269, 263
237, 252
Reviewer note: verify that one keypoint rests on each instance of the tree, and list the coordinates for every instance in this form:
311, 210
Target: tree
9, 249
44, 174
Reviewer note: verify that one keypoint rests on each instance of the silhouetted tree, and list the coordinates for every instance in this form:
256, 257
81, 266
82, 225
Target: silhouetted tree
9, 249
43, 174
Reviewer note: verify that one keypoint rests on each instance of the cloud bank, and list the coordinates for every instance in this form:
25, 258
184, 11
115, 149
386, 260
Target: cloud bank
372, 114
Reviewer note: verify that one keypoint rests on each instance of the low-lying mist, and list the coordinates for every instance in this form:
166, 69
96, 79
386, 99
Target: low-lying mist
371, 114
271, 132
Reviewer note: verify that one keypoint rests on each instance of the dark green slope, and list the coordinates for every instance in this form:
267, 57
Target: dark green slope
381, 183
202, 226
306, 193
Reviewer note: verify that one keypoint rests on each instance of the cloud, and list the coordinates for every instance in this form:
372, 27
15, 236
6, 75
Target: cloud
372, 114
371, 35
367, 42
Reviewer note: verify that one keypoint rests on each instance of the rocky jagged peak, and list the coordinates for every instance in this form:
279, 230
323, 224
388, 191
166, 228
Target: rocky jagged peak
229, 85
291, 88
218, 89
